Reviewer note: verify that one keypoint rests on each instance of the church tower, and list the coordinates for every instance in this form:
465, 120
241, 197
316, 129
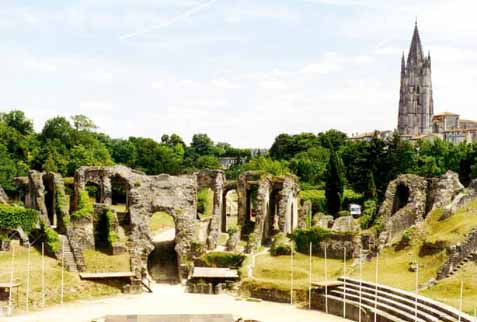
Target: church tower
416, 106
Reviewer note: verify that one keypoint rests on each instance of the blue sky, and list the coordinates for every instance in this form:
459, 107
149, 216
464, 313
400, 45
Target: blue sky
242, 71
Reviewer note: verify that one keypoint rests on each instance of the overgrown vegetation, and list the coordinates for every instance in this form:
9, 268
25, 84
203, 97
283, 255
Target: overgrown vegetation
281, 245
13, 217
223, 259
105, 234
51, 238
85, 206
205, 202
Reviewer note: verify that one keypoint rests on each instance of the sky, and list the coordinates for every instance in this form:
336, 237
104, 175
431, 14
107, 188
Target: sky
242, 71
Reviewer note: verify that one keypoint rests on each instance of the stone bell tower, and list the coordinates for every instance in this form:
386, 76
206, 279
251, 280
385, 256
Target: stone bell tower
416, 105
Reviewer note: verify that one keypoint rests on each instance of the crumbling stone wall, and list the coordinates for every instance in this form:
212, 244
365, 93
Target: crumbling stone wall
424, 195
413, 212
457, 253
276, 196
288, 204
443, 189
3, 196
215, 180
176, 195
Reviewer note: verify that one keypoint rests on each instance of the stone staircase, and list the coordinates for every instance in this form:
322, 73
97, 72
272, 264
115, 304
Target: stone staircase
349, 298
69, 259
470, 257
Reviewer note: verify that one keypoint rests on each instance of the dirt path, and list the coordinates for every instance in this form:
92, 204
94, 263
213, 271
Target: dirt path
168, 299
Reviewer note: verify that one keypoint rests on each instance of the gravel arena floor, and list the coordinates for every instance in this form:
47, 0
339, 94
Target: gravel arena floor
171, 299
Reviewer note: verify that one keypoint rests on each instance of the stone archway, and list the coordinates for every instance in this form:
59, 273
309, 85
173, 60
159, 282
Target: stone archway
162, 261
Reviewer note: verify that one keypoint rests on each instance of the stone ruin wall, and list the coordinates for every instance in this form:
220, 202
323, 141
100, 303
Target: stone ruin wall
276, 197
176, 195
424, 196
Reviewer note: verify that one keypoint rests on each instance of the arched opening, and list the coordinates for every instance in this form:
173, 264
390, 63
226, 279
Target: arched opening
250, 215
231, 209
49, 185
119, 193
205, 203
162, 263
94, 191
401, 198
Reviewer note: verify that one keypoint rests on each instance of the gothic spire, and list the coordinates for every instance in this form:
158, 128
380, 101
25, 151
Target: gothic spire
415, 52
403, 64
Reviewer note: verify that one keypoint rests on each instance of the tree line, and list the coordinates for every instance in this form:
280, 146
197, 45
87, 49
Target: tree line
65, 144
325, 161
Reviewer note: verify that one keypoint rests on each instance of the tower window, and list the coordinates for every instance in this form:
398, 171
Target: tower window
418, 100
418, 90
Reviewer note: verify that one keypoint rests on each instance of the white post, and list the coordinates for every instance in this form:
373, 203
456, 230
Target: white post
62, 271
417, 291
326, 280
28, 280
460, 301
309, 279
42, 274
12, 272
291, 273
344, 275
376, 290
475, 314
360, 282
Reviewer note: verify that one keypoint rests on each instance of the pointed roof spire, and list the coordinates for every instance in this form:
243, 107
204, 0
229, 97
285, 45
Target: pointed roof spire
403, 63
415, 52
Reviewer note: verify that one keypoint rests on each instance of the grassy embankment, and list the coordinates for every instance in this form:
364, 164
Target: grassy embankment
393, 262
74, 287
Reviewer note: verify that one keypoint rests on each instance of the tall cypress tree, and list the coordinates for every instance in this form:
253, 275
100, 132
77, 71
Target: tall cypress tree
335, 181
370, 192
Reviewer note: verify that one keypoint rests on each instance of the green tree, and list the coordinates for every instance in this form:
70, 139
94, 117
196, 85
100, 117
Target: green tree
335, 182
370, 192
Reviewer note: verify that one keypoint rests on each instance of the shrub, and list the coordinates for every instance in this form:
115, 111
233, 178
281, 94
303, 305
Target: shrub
109, 218
303, 237
12, 217
281, 245
368, 217
85, 206
52, 239
406, 238
344, 213
232, 230
61, 204
105, 234
223, 259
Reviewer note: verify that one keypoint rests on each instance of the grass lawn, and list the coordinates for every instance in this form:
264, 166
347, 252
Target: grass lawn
453, 229
98, 262
448, 289
276, 270
74, 287
161, 221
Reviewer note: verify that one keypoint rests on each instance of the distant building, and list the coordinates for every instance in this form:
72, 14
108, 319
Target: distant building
227, 162
258, 152
416, 119
368, 136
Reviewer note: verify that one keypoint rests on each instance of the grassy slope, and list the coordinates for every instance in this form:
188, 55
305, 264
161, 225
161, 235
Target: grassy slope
97, 262
393, 263
276, 270
74, 287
